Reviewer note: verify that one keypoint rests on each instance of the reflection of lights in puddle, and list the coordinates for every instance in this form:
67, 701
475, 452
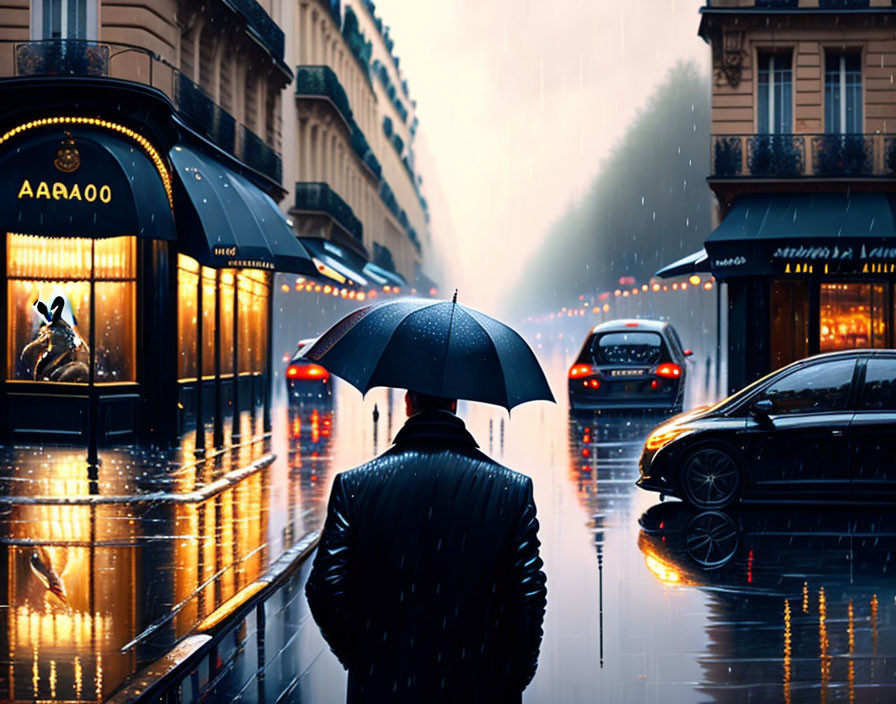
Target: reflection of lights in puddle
662, 571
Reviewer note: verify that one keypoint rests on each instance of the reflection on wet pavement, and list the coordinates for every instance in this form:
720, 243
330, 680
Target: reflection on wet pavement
647, 602
104, 574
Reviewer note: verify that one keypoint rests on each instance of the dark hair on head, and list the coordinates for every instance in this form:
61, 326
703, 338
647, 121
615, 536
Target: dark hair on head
425, 402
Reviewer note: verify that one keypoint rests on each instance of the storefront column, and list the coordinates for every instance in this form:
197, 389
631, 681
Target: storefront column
235, 431
218, 434
93, 459
268, 385
814, 315
199, 449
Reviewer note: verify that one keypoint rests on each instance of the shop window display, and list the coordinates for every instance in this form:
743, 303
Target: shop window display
187, 284
853, 315
50, 283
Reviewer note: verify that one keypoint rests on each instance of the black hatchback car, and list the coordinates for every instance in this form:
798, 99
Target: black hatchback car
627, 365
821, 428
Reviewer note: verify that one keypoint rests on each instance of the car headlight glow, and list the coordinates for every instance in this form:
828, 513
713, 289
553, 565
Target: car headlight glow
663, 436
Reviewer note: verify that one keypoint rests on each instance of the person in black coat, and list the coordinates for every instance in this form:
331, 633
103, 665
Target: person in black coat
427, 583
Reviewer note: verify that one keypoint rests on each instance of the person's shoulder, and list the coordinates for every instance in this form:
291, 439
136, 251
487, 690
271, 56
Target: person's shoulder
499, 471
370, 470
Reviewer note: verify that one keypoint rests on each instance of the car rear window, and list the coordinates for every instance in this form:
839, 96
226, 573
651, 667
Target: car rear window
627, 348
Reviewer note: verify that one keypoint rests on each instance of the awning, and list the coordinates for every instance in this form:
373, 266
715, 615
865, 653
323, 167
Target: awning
67, 180
383, 277
817, 232
695, 263
334, 262
229, 221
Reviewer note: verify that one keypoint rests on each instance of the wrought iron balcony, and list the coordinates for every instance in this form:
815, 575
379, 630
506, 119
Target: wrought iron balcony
362, 148
62, 57
204, 114
76, 57
259, 155
787, 156
260, 24
317, 197
322, 82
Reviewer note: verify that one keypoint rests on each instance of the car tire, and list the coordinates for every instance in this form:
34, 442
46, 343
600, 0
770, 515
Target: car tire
710, 477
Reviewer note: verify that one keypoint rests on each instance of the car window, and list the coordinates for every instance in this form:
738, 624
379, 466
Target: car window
879, 391
676, 340
814, 389
632, 348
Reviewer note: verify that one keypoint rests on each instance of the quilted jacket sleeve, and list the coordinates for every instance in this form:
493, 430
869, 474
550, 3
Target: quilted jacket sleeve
329, 585
530, 591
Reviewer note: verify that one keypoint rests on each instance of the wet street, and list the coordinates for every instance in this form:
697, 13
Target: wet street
647, 601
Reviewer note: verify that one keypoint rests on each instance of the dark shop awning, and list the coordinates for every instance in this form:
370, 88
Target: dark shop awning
229, 221
696, 263
67, 180
818, 232
335, 262
383, 277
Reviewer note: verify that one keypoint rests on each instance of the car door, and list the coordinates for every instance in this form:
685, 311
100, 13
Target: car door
802, 447
873, 431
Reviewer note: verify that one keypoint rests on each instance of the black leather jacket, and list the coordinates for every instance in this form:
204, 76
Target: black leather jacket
427, 583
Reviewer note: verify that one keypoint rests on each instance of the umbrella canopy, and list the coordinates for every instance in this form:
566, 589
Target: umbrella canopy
433, 347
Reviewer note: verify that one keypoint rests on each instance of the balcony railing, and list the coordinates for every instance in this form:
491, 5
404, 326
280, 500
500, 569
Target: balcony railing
76, 57
321, 81
785, 156
318, 197
261, 25
258, 155
205, 114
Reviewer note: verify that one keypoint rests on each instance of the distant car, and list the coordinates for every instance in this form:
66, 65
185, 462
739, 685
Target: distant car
820, 428
305, 380
629, 364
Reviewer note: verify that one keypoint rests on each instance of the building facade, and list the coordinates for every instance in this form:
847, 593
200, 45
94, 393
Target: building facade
139, 151
140, 148
803, 167
354, 194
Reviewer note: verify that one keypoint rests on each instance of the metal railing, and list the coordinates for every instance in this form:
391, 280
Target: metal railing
316, 196
803, 155
128, 62
322, 81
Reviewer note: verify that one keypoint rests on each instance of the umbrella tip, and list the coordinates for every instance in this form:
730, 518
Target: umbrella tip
454, 300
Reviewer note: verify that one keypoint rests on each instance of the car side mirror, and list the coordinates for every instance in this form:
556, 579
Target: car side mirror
761, 410
688, 353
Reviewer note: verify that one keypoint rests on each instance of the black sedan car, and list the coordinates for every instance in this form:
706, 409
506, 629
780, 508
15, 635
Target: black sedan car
821, 428
629, 364
307, 381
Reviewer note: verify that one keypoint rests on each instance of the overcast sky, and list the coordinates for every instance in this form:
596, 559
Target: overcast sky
518, 103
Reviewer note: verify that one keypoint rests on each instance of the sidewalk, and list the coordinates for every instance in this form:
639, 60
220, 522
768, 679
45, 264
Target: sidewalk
105, 575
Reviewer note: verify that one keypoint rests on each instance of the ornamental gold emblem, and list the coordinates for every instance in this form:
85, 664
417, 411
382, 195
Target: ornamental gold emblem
67, 158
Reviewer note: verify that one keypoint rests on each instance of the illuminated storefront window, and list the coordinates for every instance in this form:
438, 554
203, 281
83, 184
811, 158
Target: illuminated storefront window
227, 283
852, 315
187, 285
49, 288
208, 322
253, 321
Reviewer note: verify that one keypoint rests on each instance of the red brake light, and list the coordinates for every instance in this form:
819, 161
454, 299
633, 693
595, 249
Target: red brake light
578, 370
633, 325
308, 372
669, 370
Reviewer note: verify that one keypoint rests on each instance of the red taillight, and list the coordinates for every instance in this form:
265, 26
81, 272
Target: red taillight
308, 372
578, 370
669, 370
633, 325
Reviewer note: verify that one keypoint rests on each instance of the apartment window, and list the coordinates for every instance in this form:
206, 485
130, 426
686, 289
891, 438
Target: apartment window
843, 93
64, 19
774, 103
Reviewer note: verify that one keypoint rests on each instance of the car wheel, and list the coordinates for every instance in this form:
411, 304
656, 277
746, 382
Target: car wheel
710, 478
711, 539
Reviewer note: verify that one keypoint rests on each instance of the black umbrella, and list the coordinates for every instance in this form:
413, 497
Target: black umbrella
439, 348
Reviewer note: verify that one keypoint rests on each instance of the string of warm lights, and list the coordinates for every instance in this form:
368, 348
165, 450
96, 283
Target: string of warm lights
303, 285
600, 303
105, 124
